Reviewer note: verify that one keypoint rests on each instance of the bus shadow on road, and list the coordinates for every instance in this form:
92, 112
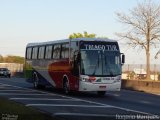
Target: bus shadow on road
108, 95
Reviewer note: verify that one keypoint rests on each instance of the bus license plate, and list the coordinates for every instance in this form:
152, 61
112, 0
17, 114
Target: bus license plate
102, 87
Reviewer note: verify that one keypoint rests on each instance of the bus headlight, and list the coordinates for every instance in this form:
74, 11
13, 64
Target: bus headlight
88, 79
84, 78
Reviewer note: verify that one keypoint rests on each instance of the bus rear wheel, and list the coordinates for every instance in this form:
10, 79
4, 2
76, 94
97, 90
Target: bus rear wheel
101, 93
36, 84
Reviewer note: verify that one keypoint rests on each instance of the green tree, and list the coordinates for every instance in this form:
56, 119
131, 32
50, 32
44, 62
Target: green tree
84, 35
13, 59
1, 58
143, 23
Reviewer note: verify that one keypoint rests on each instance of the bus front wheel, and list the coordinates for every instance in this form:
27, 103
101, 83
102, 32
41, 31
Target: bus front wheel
35, 82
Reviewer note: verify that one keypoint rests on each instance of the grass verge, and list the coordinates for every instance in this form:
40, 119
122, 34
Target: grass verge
10, 110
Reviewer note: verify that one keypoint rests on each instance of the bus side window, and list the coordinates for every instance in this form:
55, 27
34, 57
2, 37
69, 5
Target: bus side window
28, 53
56, 53
34, 53
48, 53
41, 52
65, 50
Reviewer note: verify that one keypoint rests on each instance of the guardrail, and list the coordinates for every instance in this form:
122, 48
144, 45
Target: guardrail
139, 85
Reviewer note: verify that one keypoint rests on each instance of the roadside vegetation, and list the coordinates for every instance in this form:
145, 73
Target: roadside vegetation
82, 35
11, 59
12, 110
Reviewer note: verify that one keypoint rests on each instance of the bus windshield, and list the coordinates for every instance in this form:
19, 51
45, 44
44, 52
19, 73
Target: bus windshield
100, 63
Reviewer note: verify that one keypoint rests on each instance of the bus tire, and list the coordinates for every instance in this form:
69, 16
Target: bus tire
36, 82
101, 93
66, 86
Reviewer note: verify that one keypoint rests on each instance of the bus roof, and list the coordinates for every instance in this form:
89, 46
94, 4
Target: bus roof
68, 40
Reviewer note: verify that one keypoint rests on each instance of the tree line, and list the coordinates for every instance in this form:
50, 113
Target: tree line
11, 59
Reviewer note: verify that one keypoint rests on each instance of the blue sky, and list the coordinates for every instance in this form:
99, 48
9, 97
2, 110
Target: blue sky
24, 21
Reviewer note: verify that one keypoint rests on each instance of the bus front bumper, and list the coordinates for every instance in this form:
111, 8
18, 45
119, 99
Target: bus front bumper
88, 86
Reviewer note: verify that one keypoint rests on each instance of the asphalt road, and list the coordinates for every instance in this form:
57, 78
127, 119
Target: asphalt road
124, 105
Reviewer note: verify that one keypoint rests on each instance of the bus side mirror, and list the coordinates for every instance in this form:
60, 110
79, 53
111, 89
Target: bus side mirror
123, 59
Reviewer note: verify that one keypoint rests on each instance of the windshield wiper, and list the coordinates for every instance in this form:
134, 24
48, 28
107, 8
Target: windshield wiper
97, 64
108, 65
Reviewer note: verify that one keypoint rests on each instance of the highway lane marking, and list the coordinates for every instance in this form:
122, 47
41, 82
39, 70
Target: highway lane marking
66, 105
4, 85
49, 99
145, 102
18, 82
121, 108
48, 93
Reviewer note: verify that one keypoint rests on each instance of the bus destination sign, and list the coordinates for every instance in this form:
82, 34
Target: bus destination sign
105, 46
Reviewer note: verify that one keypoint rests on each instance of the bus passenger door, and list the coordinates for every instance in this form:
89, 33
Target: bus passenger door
76, 64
